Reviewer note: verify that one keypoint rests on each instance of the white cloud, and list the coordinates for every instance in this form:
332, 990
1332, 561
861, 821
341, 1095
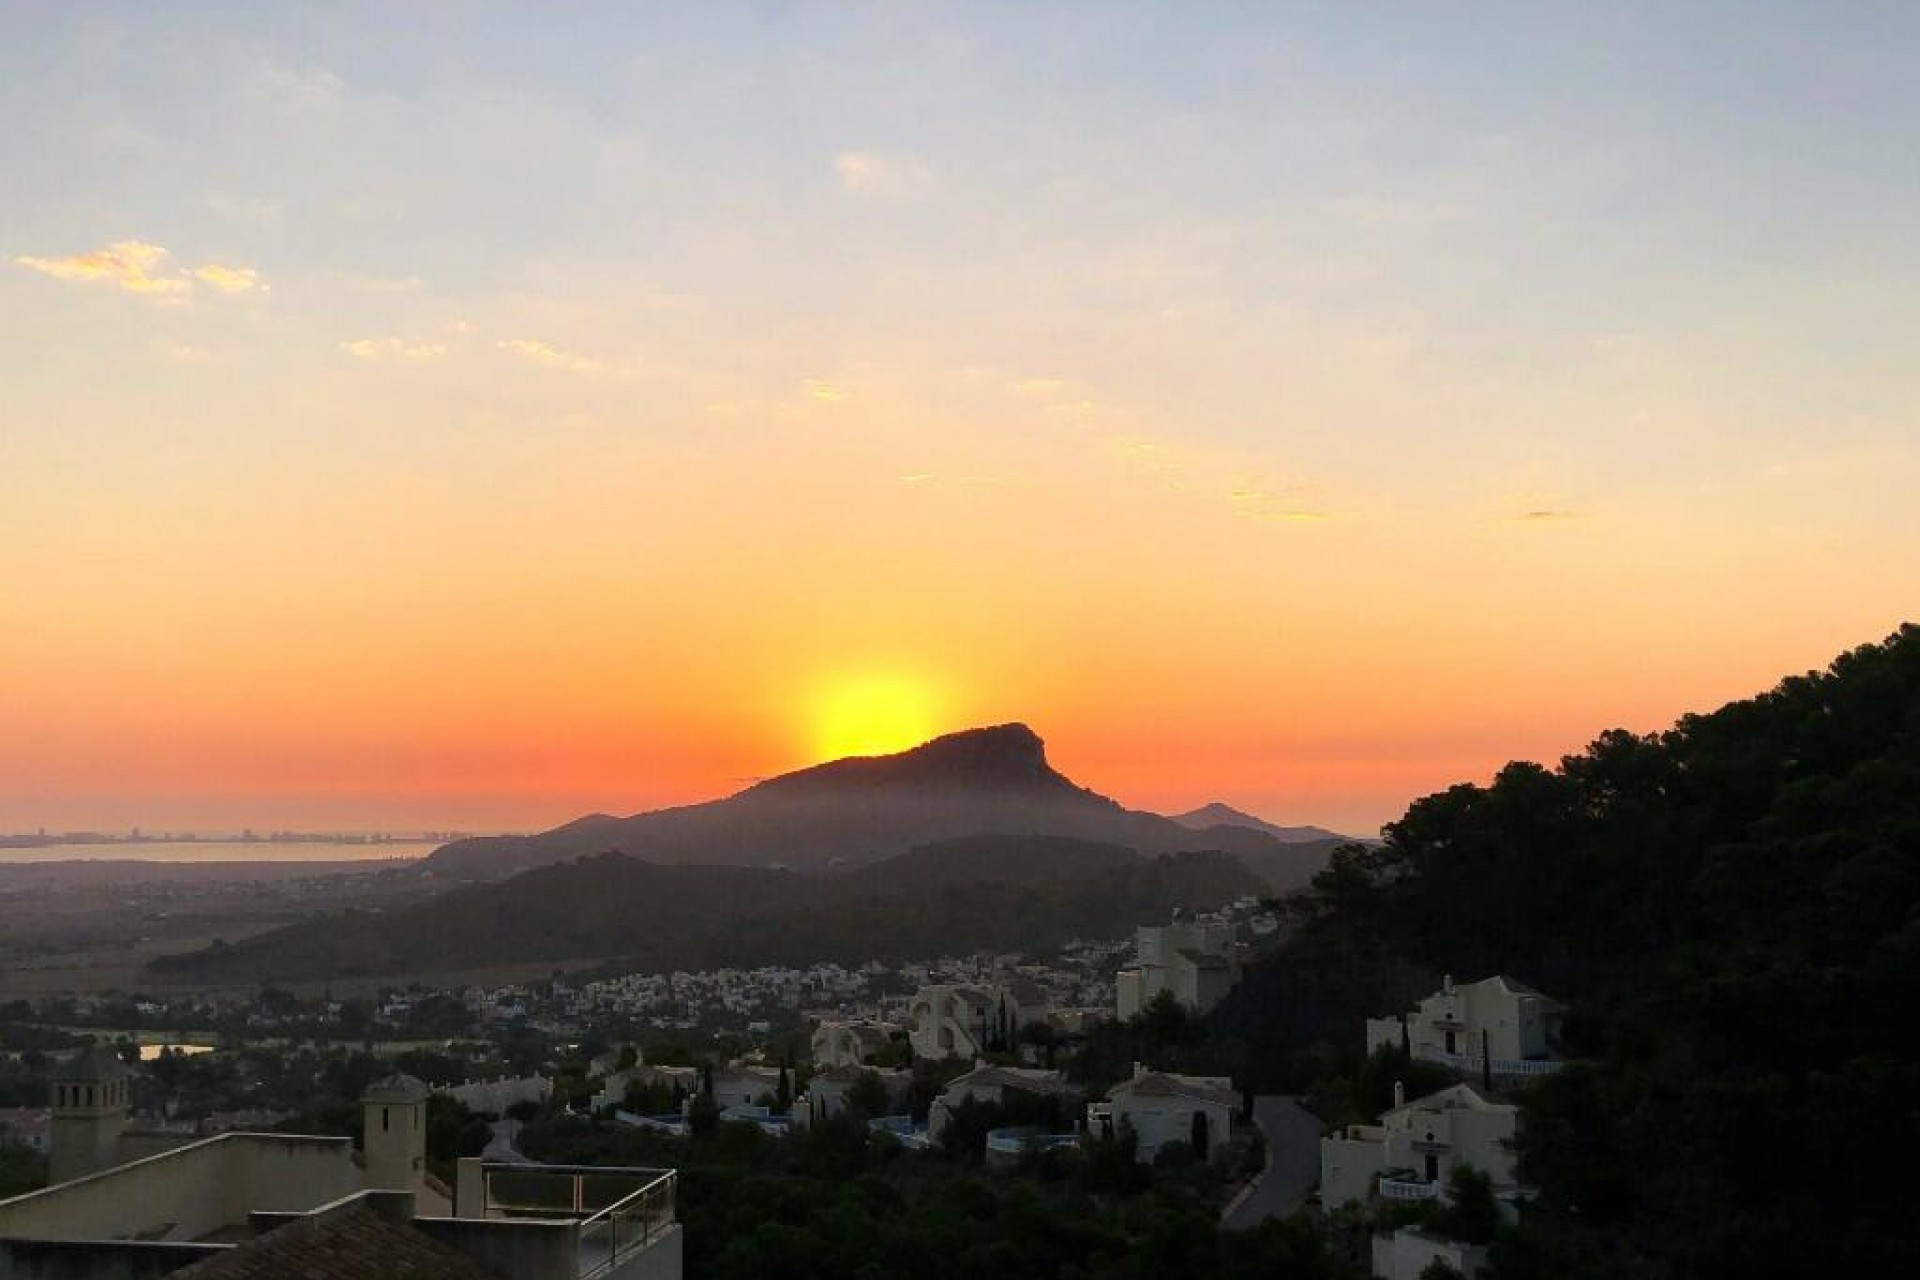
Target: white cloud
137, 267
128, 264
383, 349
550, 357
229, 279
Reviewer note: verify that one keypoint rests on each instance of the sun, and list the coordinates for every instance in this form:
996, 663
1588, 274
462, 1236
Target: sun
874, 714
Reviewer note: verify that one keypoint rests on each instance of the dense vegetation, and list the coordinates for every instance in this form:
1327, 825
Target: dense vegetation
1732, 909
840, 1204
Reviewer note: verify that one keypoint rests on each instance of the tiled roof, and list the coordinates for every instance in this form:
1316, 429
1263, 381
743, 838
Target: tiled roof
359, 1244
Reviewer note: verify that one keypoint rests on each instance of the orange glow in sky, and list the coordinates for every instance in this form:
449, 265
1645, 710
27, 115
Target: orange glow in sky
476, 428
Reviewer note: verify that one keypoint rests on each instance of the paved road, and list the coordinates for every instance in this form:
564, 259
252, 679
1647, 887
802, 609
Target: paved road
1293, 1162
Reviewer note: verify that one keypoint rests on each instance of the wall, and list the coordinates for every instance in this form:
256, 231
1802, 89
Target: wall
1161, 1120
97, 1259
1348, 1167
188, 1193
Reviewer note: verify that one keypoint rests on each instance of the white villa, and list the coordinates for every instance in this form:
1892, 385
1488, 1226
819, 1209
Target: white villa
1196, 960
1407, 1253
1462, 1025
849, 1044
995, 1084
966, 1021
1161, 1107
826, 1094
240, 1205
745, 1086
1416, 1146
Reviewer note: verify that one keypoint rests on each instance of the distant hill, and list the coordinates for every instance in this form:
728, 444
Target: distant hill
1222, 815
848, 813
993, 893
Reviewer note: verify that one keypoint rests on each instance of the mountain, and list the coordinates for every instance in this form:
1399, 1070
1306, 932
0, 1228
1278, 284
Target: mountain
998, 893
1222, 815
1730, 909
847, 813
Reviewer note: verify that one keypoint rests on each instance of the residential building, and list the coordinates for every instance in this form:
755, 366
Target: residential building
1463, 1025
999, 1085
1161, 1108
30, 1127
1196, 961
1407, 1253
968, 1020
1417, 1145
740, 1086
243, 1206
827, 1091
849, 1044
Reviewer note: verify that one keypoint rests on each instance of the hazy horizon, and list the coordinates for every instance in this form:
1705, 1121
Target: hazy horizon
415, 421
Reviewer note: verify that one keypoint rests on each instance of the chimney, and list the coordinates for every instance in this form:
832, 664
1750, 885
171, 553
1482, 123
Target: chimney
1399, 1094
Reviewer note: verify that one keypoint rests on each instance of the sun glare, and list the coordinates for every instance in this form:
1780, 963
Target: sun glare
874, 714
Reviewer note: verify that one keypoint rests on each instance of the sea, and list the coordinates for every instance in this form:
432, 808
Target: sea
221, 851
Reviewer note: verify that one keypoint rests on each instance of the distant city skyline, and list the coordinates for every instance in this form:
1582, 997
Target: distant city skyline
430, 417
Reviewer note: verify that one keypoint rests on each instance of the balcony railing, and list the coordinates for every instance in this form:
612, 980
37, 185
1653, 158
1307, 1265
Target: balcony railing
1471, 1063
1392, 1188
617, 1212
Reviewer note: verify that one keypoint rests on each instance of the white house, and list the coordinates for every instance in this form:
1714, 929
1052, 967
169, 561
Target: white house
997, 1085
966, 1021
1416, 1146
1407, 1253
1161, 1107
613, 1090
827, 1091
1196, 961
744, 1086
849, 1044
1462, 1024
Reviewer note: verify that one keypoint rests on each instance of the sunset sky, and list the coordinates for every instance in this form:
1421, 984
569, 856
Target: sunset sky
477, 414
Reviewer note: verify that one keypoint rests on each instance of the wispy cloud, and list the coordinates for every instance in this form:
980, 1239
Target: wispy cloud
1543, 515
550, 357
876, 173
126, 264
138, 267
1252, 501
228, 279
383, 349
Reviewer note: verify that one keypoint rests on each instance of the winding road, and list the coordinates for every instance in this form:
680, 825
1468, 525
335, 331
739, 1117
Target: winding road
1293, 1163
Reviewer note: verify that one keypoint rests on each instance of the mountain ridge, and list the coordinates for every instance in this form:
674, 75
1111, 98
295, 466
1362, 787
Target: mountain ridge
992, 781
1219, 814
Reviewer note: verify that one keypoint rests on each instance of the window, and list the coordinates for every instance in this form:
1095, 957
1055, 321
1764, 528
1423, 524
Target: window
386, 1119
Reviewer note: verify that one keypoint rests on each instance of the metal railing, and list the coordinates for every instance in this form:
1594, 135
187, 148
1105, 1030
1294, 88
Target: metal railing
1392, 1188
1470, 1063
617, 1211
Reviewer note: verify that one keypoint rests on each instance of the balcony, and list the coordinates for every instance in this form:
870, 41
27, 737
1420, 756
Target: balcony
616, 1214
1402, 1187
1470, 1064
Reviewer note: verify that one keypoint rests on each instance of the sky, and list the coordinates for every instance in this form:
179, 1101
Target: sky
472, 415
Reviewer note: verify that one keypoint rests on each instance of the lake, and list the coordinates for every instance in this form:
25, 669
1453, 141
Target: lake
221, 851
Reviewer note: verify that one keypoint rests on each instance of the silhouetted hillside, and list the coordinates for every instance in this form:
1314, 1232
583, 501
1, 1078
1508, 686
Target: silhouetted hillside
1732, 910
1225, 815
849, 812
1002, 893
